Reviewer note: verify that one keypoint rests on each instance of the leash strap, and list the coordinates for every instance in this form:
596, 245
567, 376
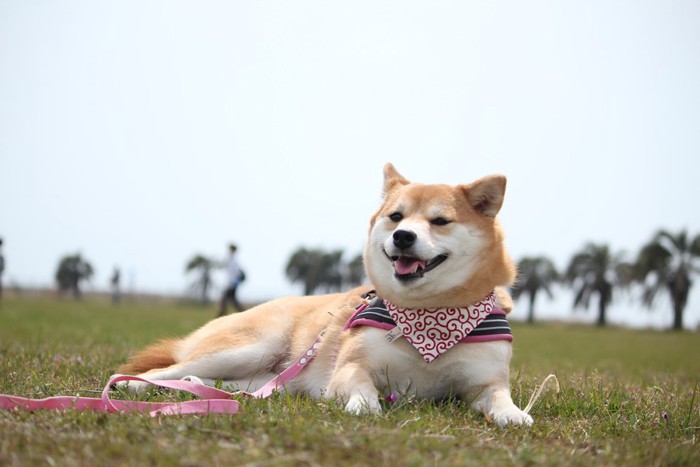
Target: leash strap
213, 400
290, 373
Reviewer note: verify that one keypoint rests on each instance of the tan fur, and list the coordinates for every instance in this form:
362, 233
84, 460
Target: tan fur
158, 355
495, 265
359, 366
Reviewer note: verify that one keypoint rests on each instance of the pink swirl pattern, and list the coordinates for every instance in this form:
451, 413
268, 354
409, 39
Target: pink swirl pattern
434, 331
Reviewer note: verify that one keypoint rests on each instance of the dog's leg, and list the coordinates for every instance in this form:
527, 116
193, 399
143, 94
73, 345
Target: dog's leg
244, 367
351, 380
176, 371
498, 405
353, 385
488, 389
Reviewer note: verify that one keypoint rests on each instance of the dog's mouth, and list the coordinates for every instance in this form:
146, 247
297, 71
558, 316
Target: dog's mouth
409, 267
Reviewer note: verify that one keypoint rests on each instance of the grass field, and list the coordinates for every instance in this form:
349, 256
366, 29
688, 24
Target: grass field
627, 398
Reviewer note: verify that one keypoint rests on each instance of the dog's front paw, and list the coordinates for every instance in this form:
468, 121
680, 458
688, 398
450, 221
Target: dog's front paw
510, 415
357, 404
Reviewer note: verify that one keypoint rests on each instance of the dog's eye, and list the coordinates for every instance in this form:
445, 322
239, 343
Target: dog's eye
396, 217
440, 221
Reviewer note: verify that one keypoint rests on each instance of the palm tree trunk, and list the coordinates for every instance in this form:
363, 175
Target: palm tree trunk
677, 317
602, 308
531, 311
679, 301
679, 289
205, 290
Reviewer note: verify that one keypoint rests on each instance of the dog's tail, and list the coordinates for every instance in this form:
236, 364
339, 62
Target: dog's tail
158, 355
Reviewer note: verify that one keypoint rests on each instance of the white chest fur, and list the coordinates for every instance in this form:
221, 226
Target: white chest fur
398, 367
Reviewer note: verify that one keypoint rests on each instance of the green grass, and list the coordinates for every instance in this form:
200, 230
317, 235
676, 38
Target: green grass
616, 386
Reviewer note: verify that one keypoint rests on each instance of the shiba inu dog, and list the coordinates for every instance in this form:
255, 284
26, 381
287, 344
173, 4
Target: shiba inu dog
433, 326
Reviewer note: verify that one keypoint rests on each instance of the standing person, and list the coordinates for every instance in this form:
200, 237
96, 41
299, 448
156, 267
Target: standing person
2, 266
235, 276
116, 292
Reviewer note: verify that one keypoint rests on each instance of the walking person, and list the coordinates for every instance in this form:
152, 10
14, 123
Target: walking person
115, 280
235, 276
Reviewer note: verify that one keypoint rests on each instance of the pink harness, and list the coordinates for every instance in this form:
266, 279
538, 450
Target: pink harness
433, 331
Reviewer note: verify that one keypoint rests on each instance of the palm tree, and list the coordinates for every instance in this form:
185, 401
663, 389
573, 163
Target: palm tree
595, 270
534, 274
72, 269
202, 266
316, 269
301, 267
669, 261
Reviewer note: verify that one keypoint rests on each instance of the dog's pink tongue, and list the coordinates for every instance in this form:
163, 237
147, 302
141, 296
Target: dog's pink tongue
408, 265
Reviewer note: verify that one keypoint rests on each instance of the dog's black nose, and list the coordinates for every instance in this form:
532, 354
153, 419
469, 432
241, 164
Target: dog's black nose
404, 239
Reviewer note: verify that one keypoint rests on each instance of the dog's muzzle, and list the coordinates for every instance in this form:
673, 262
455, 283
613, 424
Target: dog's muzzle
409, 267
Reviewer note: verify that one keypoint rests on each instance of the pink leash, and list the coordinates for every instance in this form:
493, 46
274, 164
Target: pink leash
214, 401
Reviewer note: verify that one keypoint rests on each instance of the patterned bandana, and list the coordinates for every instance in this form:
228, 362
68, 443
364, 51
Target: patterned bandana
433, 331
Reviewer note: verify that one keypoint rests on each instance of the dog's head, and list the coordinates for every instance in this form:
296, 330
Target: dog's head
437, 245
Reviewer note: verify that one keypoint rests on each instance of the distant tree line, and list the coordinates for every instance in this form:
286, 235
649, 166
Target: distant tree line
668, 262
71, 272
319, 270
202, 266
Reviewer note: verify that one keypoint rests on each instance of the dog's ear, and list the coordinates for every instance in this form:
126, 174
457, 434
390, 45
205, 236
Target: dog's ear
392, 179
486, 194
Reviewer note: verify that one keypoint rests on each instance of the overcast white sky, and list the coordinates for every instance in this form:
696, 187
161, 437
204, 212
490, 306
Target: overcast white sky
140, 132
